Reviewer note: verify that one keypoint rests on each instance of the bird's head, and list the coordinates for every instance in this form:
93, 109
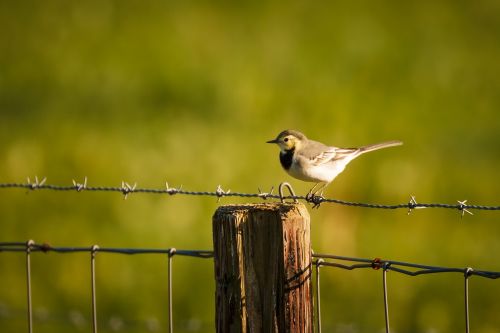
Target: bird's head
289, 140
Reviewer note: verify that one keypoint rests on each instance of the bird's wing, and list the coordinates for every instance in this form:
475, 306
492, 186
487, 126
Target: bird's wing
332, 154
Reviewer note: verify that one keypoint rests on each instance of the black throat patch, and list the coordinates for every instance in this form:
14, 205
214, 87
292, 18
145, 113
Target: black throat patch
286, 158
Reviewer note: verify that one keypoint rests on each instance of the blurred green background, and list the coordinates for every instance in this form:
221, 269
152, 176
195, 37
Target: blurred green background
188, 92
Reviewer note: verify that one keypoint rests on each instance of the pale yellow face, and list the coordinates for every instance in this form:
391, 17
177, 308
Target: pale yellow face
288, 142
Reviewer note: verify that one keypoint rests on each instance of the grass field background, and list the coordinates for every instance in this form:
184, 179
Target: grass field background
188, 92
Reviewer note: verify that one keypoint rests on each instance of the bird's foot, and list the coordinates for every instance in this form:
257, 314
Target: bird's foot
316, 200
309, 196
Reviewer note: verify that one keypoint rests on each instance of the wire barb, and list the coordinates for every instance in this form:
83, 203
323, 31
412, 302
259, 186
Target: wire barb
80, 187
316, 200
172, 190
127, 189
462, 206
37, 184
220, 192
265, 195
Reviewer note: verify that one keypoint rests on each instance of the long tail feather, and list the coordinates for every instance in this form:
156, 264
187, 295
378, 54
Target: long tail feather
381, 145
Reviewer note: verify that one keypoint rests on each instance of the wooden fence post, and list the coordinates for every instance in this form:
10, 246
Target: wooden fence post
263, 268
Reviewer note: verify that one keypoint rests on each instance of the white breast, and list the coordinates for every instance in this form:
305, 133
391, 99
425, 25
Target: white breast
316, 173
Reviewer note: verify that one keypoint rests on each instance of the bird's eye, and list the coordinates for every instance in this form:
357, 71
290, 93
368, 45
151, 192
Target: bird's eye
286, 140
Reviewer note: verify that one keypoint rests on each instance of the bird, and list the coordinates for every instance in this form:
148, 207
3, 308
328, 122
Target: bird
313, 161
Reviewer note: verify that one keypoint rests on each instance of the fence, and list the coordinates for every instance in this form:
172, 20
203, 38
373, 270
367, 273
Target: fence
126, 189
319, 260
30, 246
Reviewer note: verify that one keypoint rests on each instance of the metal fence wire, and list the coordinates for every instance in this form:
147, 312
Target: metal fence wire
30, 246
320, 261
410, 269
126, 189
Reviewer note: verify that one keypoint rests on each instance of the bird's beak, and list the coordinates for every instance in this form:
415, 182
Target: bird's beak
272, 141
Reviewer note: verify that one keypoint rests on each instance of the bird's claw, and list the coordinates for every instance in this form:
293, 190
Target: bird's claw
316, 200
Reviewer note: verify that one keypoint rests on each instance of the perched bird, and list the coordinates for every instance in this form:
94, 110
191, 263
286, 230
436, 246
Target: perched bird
313, 161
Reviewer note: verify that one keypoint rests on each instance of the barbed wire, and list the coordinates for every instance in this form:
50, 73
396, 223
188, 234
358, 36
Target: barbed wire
126, 189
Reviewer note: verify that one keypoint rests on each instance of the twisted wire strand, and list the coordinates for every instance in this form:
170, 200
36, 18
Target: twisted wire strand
126, 189
406, 268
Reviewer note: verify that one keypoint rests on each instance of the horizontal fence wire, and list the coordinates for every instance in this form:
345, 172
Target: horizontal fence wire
126, 189
319, 260
406, 268
411, 269
21, 247
30, 247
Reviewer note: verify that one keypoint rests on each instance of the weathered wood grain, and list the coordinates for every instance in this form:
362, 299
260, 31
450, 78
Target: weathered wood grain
263, 268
